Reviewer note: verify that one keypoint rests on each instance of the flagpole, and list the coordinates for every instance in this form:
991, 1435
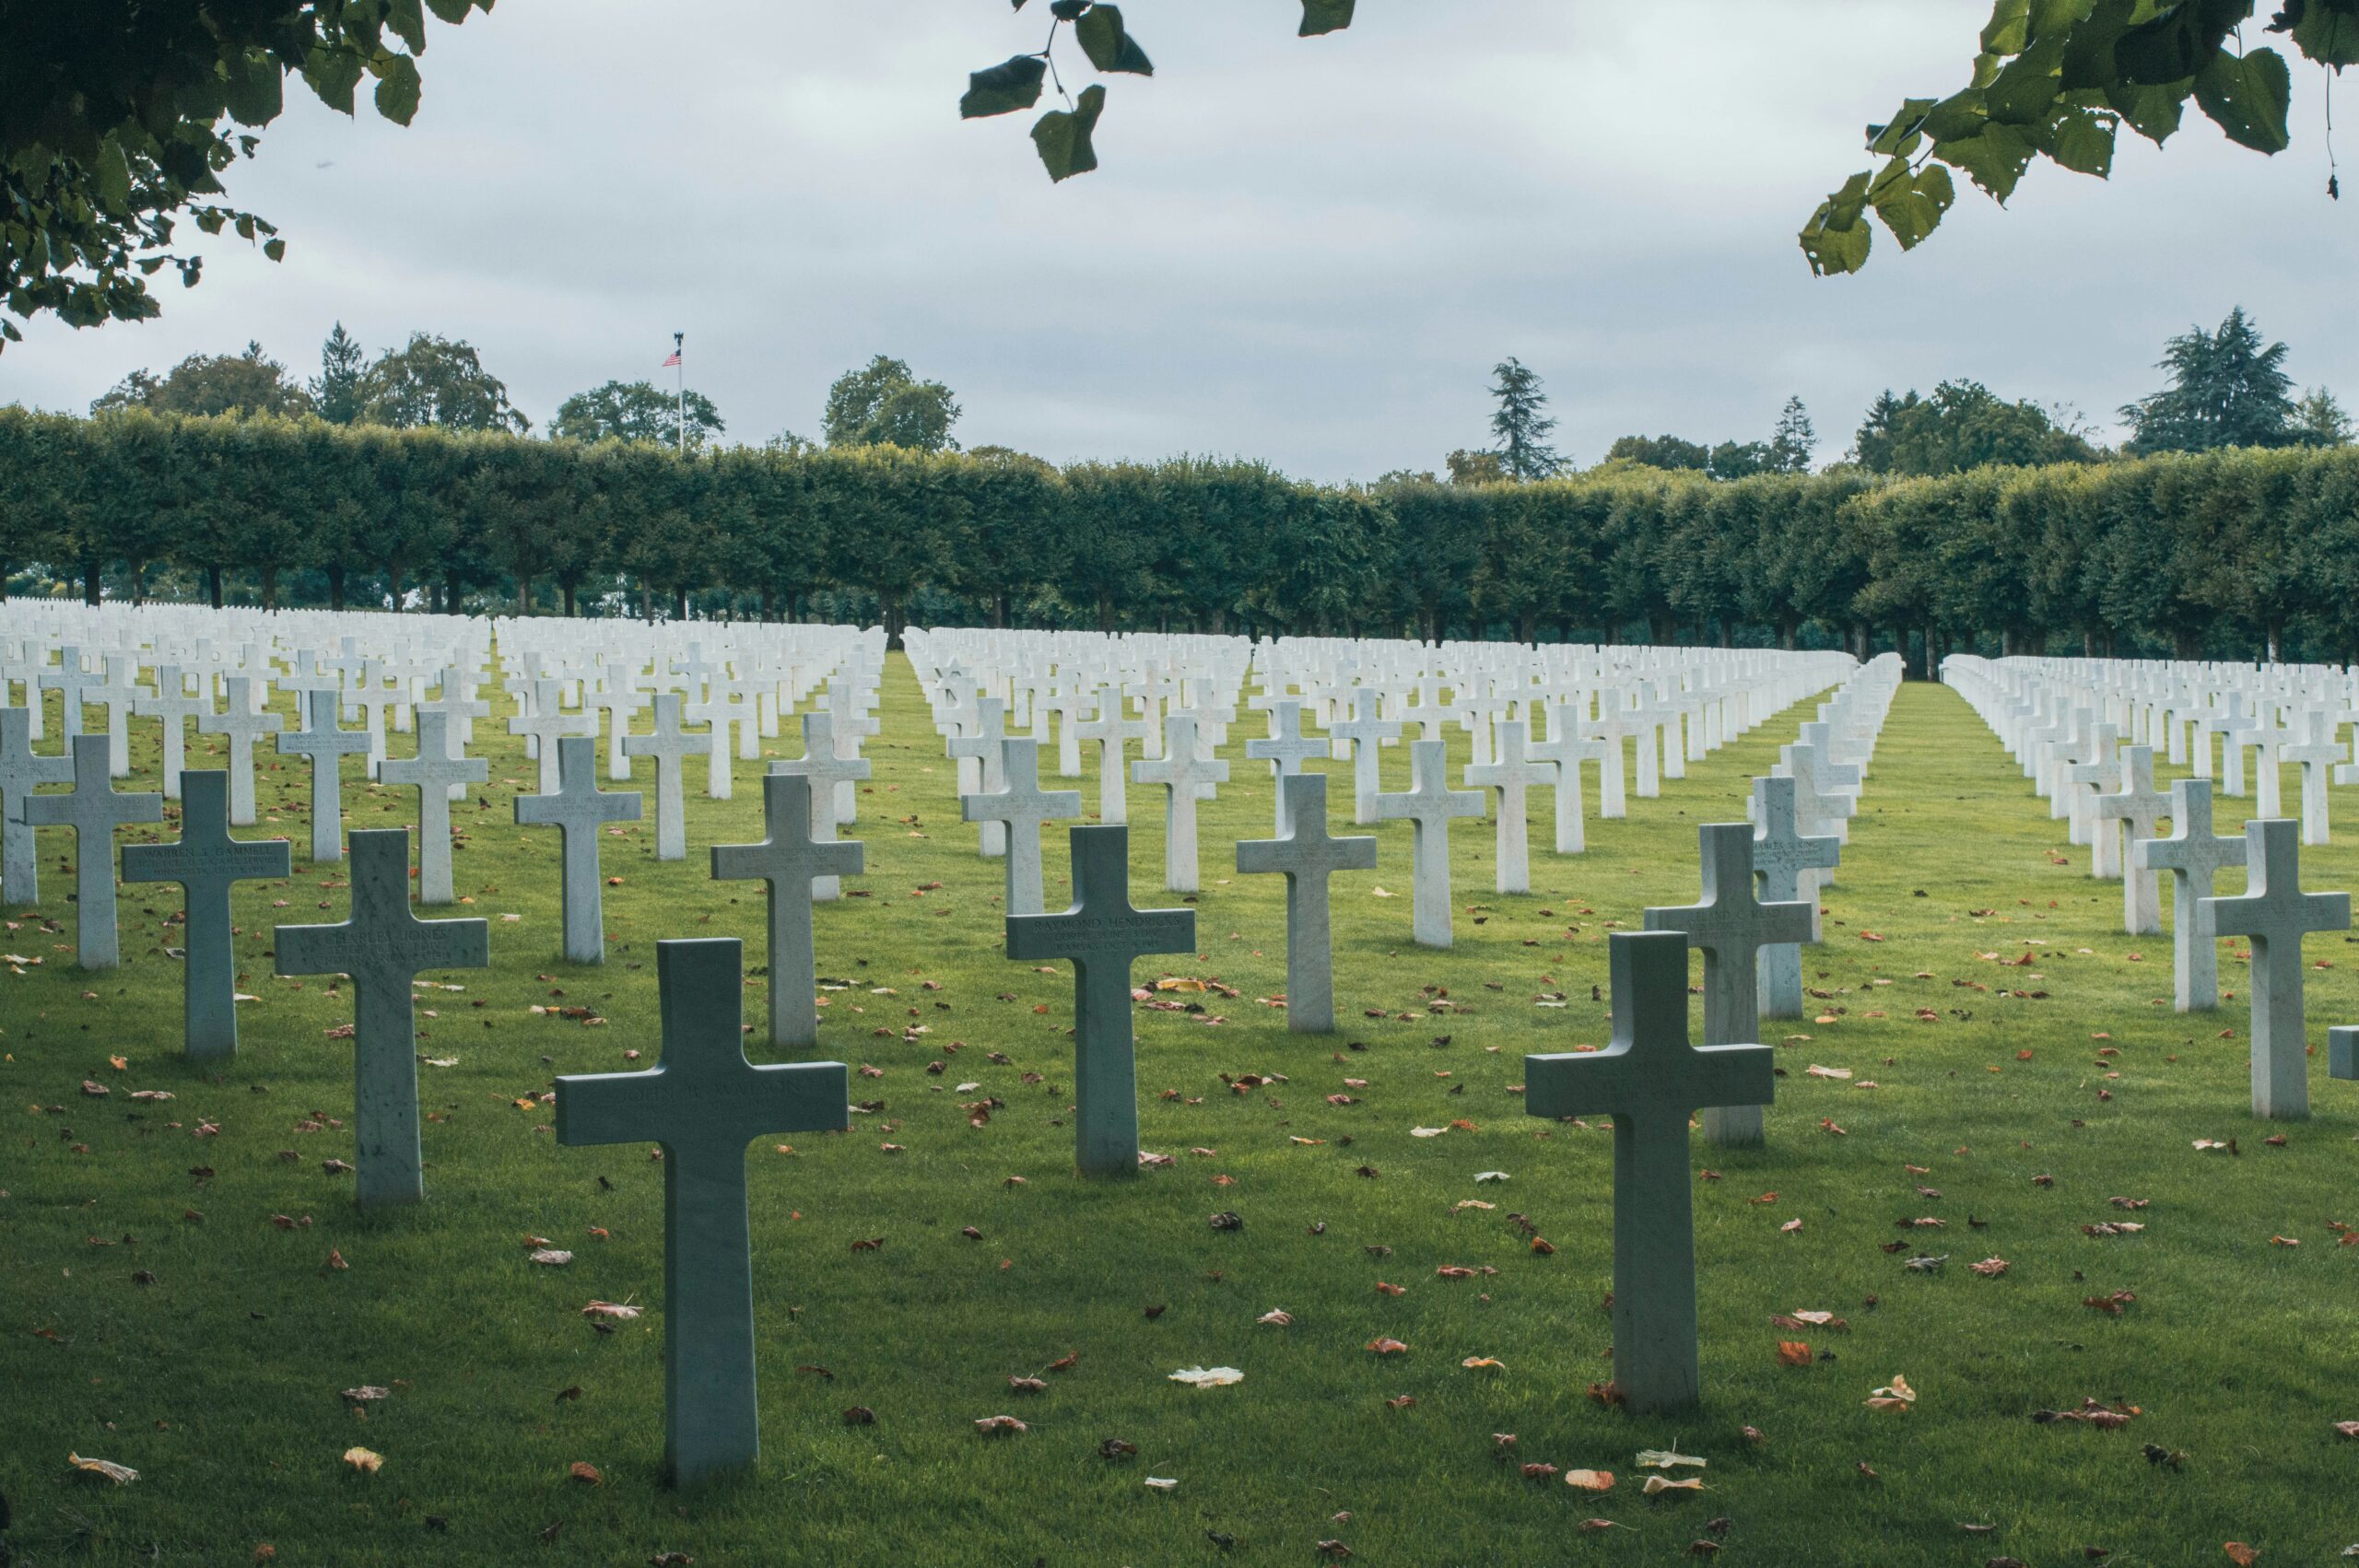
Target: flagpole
678, 339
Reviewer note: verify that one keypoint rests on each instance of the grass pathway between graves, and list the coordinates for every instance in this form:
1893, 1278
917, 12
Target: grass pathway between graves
166, 1320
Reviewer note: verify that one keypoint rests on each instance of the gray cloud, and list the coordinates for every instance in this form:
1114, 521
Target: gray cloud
1309, 252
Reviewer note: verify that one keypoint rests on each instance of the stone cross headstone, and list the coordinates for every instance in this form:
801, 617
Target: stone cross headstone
93, 811
1569, 749
1021, 808
703, 1101
580, 809
1365, 734
2318, 755
70, 681
1732, 927
1427, 805
984, 748
244, 723
326, 746
205, 862
21, 769
1512, 774
2275, 913
827, 770
1788, 862
667, 746
1108, 728
171, 702
2137, 806
1102, 934
438, 772
1307, 857
1651, 1081
1286, 749
789, 858
1185, 778
2192, 854
540, 727
382, 947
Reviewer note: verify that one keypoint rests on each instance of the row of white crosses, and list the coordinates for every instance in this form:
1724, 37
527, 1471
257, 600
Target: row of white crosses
2049, 718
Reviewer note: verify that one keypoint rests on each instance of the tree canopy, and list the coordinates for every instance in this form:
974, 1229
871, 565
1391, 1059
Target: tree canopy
1963, 425
1522, 423
435, 380
2057, 79
883, 403
2228, 388
636, 411
211, 383
117, 118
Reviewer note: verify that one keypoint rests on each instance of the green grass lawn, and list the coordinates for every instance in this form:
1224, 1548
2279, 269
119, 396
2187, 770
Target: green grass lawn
167, 1321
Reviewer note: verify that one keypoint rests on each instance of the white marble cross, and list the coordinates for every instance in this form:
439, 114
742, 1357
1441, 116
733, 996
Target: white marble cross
244, 723
1103, 934
1512, 775
384, 947
1021, 808
1185, 778
1569, 749
703, 1101
578, 808
1788, 862
1650, 1080
1609, 729
789, 858
1427, 805
1364, 733
116, 694
2275, 913
1108, 728
829, 770
171, 702
22, 770
441, 774
980, 757
1286, 749
93, 811
667, 746
2318, 755
1732, 927
71, 682
543, 727
1307, 857
2136, 806
326, 746
206, 862
2192, 854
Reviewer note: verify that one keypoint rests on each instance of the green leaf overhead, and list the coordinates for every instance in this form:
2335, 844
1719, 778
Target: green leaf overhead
1063, 135
1324, 16
2247, 97
1108, 46
2058, 80
397, 87
1012, 85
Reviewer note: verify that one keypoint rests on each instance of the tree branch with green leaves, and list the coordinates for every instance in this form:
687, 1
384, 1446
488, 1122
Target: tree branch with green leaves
2058, 80
1065, 138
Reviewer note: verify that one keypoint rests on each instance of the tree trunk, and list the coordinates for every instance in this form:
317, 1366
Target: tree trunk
270, 587
449, 596
91, 591
213, 586
1105, 610
679, 603
998, 611
336, 587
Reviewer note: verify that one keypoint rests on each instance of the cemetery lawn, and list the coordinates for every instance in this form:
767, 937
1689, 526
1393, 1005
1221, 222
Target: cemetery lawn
185, 1288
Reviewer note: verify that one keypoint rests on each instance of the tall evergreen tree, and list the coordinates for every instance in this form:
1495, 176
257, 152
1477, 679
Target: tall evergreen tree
1522, 422
2319, 421
2228, 389
1793, 442
336, 388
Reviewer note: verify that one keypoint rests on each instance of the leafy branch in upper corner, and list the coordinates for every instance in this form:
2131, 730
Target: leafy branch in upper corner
2058, 80
112, 128
1063, 135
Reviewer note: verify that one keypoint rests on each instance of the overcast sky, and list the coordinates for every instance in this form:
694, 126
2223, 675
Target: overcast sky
1311, 252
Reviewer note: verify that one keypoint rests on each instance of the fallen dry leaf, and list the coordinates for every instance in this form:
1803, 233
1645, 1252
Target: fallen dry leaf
121, 1475
365, 1460
1208, 1376
1590, 1481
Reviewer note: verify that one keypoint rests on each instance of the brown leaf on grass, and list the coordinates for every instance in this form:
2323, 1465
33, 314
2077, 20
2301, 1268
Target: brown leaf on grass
2116, 1303
996, 1426
367, 1462
367, 1392
1794, 1352
1590, 1481
1990, 1268
585, 1472
1657, 1485
1386, 1346
1539, 1471
2240, 1554
620, 1311
1608, 1394
121, 1475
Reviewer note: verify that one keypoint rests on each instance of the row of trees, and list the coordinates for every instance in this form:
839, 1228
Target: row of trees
2229, 553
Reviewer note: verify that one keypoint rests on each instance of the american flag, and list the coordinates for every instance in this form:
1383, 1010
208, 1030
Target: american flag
671, 359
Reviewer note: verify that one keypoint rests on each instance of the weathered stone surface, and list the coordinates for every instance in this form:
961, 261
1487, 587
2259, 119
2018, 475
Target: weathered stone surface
1307, 857
790, 860
207, 863
93, 811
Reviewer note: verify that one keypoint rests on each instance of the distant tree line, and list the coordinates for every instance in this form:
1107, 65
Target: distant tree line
2228, 553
